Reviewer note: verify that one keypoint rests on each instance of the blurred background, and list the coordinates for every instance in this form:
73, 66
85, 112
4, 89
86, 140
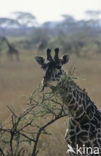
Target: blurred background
27, 29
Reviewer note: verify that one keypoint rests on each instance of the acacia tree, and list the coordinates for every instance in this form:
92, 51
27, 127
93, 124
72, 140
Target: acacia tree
93, 14
94, 17
25, 19
27, 128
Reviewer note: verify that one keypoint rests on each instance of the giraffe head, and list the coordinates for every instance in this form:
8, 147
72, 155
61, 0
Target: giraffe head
3, 39
52, 66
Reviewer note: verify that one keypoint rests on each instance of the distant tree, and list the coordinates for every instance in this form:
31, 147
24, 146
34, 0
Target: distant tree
40, 36
26, 19
66, 25
68, 18
8, 23
94, 17
47, 24
93, 14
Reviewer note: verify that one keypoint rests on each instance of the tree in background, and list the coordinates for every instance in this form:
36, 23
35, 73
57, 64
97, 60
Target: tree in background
25, 19
93, 14
8, 22
93, 17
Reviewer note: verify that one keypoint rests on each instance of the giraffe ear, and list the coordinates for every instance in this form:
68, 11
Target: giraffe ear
40, 60
65, 59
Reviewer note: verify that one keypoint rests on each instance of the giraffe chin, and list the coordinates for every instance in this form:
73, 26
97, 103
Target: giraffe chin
44, 85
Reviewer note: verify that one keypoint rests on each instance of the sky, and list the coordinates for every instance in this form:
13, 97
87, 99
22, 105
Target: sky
49, 10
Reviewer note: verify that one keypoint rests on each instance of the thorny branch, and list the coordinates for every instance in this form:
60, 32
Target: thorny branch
26, 127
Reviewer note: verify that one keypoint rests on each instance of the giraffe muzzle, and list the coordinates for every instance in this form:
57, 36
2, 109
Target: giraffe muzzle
43, 84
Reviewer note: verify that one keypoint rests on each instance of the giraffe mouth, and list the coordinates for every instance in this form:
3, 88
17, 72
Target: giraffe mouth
45, 84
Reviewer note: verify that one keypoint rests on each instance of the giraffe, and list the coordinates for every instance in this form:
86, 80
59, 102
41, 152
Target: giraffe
11, 50
41, 45
83, 136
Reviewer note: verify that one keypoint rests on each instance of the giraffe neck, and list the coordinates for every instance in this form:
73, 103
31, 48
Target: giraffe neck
77, 100
84, 126
8, 44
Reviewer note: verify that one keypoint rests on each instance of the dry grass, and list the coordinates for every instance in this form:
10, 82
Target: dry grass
19, 79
